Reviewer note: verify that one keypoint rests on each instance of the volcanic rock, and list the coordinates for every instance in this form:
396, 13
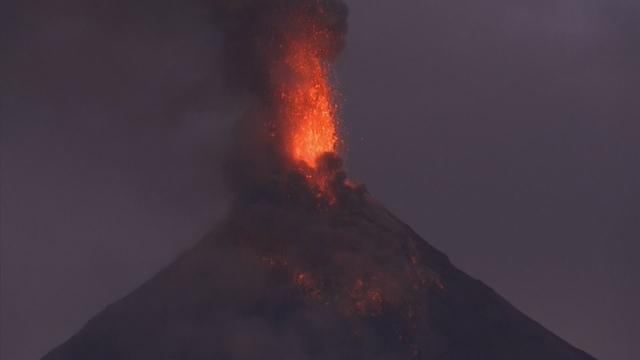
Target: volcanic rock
286, 280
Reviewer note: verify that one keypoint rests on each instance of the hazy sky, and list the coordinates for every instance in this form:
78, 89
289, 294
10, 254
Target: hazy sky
506, 132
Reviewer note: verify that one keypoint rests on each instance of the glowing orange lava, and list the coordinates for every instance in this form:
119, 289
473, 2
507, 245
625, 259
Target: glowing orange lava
307, 98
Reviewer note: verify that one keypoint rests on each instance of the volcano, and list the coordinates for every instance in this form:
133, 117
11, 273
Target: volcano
283, 279
307, 265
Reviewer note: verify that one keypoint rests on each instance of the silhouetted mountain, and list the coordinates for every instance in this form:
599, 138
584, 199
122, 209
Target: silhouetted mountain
283, 280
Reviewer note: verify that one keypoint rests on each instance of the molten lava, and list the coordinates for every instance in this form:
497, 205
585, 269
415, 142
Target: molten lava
307, 101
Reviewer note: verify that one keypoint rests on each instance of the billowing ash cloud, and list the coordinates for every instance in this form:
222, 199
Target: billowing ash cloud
255, 32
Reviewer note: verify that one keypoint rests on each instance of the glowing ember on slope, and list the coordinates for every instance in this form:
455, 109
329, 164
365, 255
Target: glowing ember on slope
307, 102
359, 295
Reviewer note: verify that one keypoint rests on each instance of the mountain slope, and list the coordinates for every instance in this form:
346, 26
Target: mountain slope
284, 281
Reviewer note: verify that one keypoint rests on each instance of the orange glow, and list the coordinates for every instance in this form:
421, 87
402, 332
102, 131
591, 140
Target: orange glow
359, 296
308, 284
364, 301
309, 110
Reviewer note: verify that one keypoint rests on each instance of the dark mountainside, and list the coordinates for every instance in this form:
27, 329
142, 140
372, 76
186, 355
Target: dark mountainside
294, 279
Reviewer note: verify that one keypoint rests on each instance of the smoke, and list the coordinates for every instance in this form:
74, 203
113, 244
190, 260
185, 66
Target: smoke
154, 79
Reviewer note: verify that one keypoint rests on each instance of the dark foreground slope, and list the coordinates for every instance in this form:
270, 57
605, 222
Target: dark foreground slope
289, 282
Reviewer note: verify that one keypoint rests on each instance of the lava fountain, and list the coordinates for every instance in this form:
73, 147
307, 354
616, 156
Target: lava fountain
308, 104
305, 97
